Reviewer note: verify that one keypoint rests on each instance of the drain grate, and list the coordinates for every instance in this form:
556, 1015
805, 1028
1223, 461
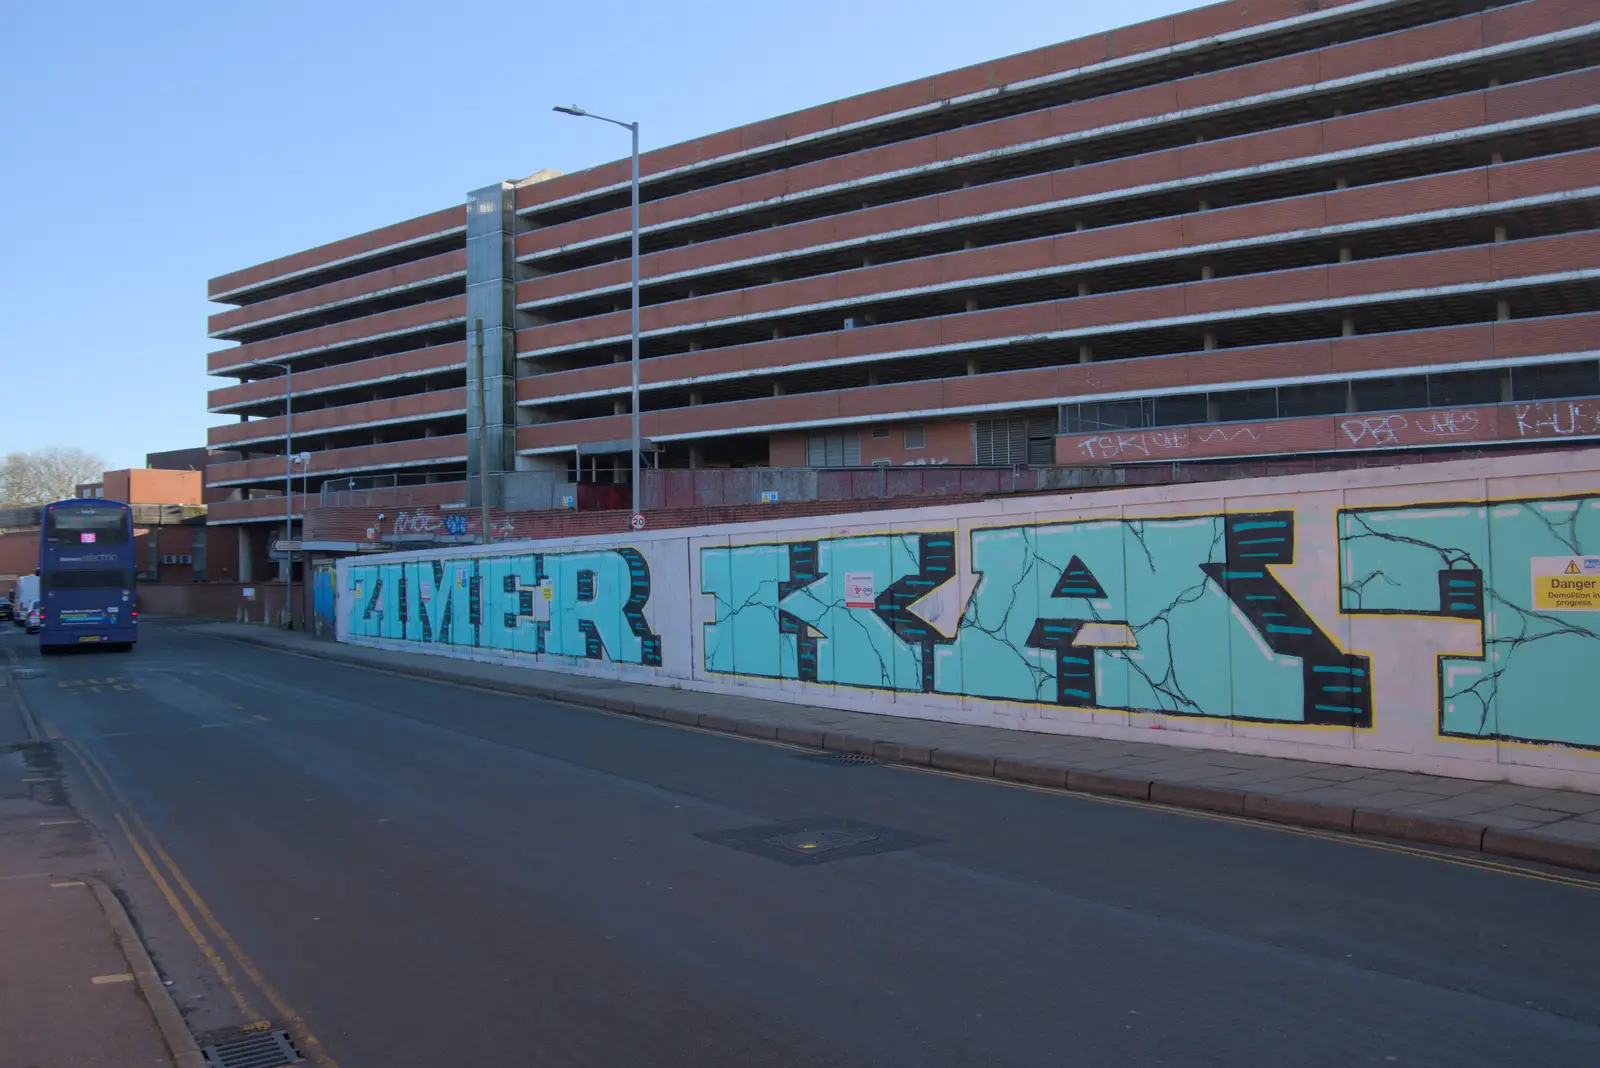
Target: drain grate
848, 759
264, 1049
28, 673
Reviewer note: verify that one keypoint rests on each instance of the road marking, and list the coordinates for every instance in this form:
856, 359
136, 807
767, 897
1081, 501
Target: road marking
218, 965
57, 823
308, 1039
1362, 841
120, 977
113, 682
68, 882
46, 779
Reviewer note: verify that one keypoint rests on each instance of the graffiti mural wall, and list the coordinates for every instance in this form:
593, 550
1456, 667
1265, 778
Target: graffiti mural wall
1531, 670
582, 604
1413, 617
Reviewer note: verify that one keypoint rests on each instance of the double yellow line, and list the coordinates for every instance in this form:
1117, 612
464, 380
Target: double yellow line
187, 905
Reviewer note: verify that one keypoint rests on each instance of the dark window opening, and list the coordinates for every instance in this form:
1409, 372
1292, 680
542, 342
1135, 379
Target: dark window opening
1387, 394
71, 526
1553, 381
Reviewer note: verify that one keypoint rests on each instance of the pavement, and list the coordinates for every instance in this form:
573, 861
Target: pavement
68, 971
405, 871
1560, 827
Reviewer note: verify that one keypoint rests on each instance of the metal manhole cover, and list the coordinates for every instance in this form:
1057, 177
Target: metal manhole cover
263, 1049
823, 838
815, 841
848, 759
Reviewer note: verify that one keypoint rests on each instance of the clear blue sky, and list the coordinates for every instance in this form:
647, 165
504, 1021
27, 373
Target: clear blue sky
145, 147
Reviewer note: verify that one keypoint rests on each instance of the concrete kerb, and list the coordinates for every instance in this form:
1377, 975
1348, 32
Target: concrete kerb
174, 1032
1313, 814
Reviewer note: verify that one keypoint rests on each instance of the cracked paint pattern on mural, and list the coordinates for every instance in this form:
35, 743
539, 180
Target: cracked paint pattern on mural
1177, 616
1532, 674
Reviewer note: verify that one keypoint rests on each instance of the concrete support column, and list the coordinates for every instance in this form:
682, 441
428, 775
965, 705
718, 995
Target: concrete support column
1502, 310
247, 571
1085, 354
1347, 328
973, 366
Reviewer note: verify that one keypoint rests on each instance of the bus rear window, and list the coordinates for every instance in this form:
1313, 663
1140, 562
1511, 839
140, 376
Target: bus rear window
86, 526
89, 578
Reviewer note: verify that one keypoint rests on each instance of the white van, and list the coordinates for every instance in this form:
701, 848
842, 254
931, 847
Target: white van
25, 597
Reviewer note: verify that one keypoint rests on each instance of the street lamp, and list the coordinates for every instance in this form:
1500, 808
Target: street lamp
633, 128
304, 460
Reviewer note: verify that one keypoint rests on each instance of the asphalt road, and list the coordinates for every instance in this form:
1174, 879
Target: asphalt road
408, 873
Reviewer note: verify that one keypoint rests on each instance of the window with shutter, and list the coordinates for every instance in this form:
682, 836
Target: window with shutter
1000, 442
916, 436
833, 450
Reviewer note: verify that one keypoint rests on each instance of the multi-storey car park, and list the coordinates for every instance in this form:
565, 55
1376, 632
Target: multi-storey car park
1281, 227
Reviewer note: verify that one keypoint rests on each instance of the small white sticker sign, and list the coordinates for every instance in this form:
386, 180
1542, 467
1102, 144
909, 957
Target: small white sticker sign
860, 589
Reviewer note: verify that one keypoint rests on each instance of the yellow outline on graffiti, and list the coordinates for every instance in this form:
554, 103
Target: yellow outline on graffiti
1087, 710
1482, 652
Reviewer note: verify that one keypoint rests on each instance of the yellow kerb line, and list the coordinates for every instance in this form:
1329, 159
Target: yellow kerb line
313, 1046
187, 921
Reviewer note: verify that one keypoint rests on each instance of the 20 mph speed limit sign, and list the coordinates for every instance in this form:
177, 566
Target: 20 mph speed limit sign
636, 521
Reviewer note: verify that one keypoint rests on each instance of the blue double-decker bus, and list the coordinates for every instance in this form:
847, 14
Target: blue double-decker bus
86, 568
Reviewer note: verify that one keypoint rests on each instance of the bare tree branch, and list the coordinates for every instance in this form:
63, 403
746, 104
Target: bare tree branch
50, 474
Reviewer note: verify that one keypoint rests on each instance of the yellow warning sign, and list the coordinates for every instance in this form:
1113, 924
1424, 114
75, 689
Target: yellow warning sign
1566, 583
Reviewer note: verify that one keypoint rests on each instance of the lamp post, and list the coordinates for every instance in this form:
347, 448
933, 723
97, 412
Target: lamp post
304, 460
633, 128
